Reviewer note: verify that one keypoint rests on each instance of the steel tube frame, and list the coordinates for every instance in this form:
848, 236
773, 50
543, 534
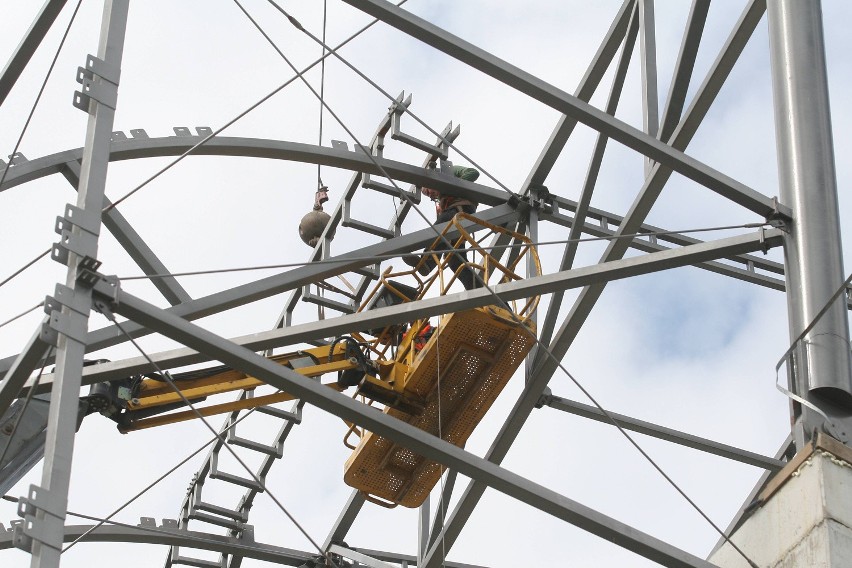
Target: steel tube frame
353, 160
663, 433
265, 287
382, 317
585, 199
659, 175
648, 59
272, 149
25, 50
683, 67
345, 520
22, 367
133, 244
588, 84
44, 523
168, 536
813, 251
559, 100
111, 297
687, 127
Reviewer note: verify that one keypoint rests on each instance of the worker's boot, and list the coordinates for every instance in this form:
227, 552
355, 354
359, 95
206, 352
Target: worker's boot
414, 261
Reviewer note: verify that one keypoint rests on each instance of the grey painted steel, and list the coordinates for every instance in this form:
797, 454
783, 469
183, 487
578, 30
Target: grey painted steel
660, 234
590, 81
400, 558
441, 510
648, 59
22, 367
354, 160
813, 252
384, 425
345, 519
32, 39
730, 268
583, 203
659, 175
172, 536
135, 246
44, 524
663, 433
249, 147
683, 135
244, 294
430, 307
567, 104
423, 529
683, 67
359, 557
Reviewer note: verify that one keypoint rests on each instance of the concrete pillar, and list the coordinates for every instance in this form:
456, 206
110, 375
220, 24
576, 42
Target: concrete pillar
803, 518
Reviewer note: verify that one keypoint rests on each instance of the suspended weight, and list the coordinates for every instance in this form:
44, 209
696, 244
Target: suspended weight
312, 226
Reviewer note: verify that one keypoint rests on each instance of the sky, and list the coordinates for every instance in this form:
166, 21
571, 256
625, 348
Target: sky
686, 349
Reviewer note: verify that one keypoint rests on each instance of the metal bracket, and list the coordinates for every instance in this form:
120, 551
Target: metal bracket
763, 246
88, 221
545, 399
59, 321
87, 271
540, 197
103, 301
777, 213
39, 499
104, 92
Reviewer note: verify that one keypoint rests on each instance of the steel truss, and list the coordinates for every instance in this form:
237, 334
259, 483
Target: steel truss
802, 223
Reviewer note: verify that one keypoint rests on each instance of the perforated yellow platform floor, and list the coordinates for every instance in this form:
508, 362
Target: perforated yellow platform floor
476, 351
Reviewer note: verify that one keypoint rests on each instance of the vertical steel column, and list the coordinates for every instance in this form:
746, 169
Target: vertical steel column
46, 505
423, 531
536, 194
648, 59
822, 366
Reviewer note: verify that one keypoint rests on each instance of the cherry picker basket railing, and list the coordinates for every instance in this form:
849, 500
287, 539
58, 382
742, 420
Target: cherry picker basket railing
442, 379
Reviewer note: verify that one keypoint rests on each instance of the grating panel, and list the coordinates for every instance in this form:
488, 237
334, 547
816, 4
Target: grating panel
476, 352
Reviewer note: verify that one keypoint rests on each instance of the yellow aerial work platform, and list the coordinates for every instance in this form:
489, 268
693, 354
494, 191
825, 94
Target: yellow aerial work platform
442, 384
459, 373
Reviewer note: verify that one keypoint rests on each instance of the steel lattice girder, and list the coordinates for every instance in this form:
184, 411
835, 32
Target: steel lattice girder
381, 317
111, 298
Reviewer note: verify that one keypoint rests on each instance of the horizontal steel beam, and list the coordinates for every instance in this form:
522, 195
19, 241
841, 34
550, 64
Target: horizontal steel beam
111, 297
606, 219
382, 317
367, 557
561, 101
747, 272
311, 272
663, 433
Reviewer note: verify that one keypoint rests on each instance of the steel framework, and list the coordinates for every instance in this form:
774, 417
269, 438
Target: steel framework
803, 220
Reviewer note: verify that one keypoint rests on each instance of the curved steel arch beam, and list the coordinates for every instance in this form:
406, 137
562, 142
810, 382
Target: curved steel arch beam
246, 548
261, 148
177, 537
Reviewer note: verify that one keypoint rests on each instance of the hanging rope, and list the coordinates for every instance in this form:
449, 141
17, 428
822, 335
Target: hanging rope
320, 185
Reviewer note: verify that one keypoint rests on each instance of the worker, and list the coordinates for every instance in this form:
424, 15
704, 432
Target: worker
446, 207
